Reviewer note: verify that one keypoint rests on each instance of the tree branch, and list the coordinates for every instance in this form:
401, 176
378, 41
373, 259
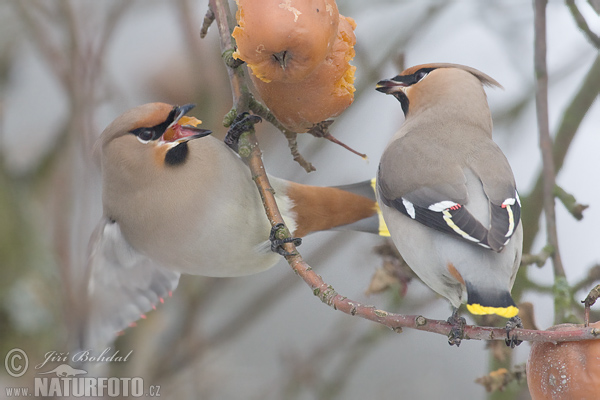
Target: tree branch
252, 155
259, 109
573, 207
582, 24
541, 101
571, 120
220, 9
537, 259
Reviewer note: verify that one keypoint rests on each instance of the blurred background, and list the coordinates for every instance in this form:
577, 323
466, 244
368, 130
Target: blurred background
68, 68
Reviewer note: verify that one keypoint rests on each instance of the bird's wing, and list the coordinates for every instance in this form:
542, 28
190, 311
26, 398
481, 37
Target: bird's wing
434, 192
493, 169
123, 284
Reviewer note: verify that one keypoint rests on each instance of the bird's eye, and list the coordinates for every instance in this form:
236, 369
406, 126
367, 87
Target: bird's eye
146, 134
420, 75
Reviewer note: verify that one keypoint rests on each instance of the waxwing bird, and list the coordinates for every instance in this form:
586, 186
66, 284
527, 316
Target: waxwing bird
446, 190
176, 200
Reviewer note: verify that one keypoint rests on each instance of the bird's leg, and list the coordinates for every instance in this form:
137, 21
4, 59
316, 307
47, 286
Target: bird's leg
244, 122
458, 328
277, 244
514, 322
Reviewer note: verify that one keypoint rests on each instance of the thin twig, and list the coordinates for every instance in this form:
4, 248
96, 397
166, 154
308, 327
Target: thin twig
582, 24
195, 346
589, 301
259, 109
593, 275
220, 8
575, 209
209, 18
541, 101
42, 38
537, 259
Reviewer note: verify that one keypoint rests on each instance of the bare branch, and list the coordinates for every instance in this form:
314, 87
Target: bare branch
570, 122
209, 18
593, 275
589, 301
538, 259
541, 101
236, 75
259, 109
582, 24
576, 209
41, 37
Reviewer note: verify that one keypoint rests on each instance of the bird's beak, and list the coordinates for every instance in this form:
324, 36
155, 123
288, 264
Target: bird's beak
184, 128
180, 111
390, 86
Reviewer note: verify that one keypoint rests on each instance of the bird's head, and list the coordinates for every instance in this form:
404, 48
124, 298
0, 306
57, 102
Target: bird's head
427, 83
151, 133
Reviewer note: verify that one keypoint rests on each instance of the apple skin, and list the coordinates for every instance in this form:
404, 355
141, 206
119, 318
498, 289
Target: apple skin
565, 370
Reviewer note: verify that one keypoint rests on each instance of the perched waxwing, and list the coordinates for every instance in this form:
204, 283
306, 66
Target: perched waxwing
447, 192
176, 200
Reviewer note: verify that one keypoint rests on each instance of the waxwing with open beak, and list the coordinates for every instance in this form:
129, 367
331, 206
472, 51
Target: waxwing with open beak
176, 200
447, 192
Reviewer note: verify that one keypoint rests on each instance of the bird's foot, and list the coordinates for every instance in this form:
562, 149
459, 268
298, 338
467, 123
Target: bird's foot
244, 122
458, 329
514, 322
277, 244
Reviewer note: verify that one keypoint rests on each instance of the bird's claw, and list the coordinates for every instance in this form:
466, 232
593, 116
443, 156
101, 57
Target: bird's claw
277, 244
514, 322
244, 122
458, 329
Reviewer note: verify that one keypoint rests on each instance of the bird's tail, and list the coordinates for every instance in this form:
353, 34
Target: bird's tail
483, 301
349, 207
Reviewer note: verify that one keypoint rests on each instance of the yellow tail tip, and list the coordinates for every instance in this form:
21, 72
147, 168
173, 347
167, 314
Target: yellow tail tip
383, 229
506, 312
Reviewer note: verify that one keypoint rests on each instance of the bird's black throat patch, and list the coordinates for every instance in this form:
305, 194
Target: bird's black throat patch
403, 101
177, 154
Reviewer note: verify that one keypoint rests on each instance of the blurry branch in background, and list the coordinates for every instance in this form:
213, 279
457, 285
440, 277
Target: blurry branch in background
582, 24
77, 63
189, 30
538, 259
568, 200
499, 379
252, 155
395, 48
311, 369
549, 174
75, 56
571, 119
193, 345
593, 275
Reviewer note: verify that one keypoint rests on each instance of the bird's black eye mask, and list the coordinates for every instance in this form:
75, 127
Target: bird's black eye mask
393, 86
409, 80
147, 134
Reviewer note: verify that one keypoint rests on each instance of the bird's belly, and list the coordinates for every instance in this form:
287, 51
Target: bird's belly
224, 239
